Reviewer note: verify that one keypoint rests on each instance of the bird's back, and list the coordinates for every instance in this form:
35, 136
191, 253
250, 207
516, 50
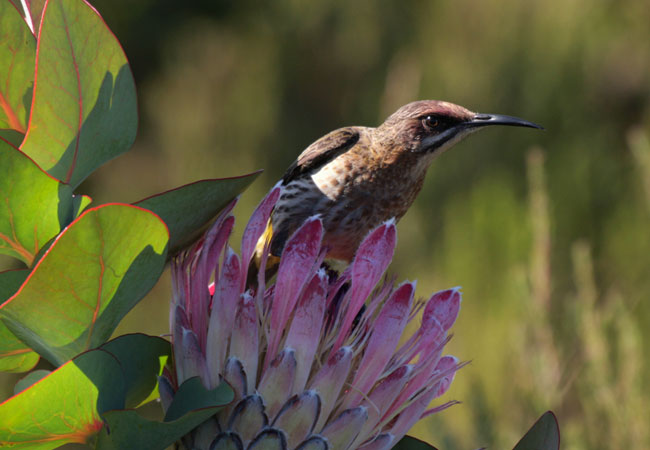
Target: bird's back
353, 187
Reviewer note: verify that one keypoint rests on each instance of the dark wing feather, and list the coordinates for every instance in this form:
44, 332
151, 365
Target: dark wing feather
322, 152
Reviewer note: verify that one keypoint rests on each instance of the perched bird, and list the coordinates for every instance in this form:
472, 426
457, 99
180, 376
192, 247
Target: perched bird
355, 178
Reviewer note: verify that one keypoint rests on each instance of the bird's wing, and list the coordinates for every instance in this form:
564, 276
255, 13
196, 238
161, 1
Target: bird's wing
321, 152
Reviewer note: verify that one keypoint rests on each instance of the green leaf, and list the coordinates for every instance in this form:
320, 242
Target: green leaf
79, 204
63, 407
92, 275
142, 359
33, 205
543, 435
17, 56
84, 108
35, 11
192, 395
187, 210
15, 356
71, 400
411, 443
192, 404
29, 379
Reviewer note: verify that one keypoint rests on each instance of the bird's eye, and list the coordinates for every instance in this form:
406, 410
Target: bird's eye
430, 122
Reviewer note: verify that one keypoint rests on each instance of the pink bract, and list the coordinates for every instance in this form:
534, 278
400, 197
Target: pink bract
311, 366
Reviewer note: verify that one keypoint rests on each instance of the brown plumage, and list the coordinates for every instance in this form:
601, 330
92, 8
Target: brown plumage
355, 178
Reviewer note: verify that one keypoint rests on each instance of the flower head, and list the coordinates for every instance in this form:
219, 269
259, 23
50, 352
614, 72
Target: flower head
315, 359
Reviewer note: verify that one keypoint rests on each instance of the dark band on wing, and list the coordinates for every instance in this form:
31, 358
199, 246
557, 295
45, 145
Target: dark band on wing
321, 152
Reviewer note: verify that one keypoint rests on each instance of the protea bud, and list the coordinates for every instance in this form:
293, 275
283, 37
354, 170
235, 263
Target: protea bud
315, 359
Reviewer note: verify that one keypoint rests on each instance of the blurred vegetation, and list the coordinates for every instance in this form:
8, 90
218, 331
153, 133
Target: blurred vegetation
548, 233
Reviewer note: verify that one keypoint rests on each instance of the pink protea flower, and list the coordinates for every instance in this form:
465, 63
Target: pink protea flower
311, 369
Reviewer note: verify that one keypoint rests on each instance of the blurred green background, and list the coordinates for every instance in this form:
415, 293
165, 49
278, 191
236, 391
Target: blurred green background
548, 232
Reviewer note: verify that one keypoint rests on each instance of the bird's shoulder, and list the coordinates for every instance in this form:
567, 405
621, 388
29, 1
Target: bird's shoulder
323, 151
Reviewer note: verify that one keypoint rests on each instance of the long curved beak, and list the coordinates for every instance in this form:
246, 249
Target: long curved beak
482, 120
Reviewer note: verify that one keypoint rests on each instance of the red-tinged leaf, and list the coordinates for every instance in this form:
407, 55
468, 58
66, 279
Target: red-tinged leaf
35, 8
189, 209
15, 356
29, 379
84, 107
17, 6
17, 56
62, 408
79, 204
91, 276
543, 435
72, 404
33, 205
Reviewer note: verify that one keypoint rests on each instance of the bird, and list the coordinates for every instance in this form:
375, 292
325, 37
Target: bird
355, 178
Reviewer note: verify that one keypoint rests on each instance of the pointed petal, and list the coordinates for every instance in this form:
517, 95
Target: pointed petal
179, 323
426, 374
236, 377
277, 381
269, 439
227, 441
215, 241
329, 381
439, 315
439, 408
382, 442
430, 347
166, 392
388, 388
244, 341
202, 272
305, 332
256, 226
430, 339
191, 358
298, 417
409, 416
370, 261
386, 332
444, 306
344, 429
314, 443
381, 399
296, 266
203, 435
445, 371
222, 316
248, 418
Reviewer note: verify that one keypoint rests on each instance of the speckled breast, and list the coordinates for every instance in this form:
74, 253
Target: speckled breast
353, 194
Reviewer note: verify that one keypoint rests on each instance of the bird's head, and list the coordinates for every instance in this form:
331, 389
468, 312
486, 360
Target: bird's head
432, 126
